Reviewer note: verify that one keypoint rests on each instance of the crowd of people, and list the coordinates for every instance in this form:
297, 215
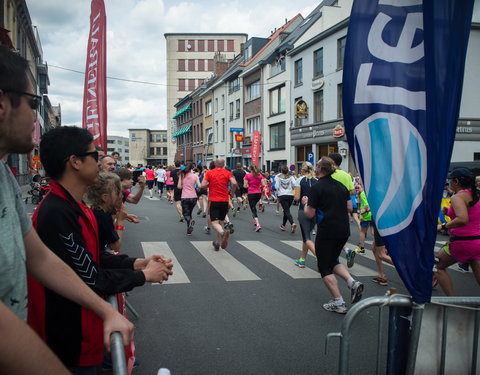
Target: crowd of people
58, 264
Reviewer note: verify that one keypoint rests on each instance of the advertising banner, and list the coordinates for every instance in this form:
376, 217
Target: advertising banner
255, 147
402, 85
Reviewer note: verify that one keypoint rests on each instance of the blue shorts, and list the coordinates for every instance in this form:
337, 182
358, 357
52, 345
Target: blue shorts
366, 224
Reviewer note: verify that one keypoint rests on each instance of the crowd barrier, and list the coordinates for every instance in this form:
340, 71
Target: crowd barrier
441, 337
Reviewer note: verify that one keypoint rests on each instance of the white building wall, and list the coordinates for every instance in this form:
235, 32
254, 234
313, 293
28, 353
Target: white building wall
220, 135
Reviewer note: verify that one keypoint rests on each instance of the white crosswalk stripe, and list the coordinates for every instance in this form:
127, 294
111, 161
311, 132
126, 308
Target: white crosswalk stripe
179, 276
279, 260
225, 264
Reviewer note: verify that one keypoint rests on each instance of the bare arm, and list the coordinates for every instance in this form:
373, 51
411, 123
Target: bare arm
204, 183
459, 205
233, 186
122, 215
297, 193
349, 206
308, 210
23, 352
135, 198
40, 263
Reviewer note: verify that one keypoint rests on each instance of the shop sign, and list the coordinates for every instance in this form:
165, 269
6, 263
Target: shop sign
301, 109
238, 138
338, 131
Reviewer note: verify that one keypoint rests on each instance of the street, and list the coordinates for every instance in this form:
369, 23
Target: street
247, 310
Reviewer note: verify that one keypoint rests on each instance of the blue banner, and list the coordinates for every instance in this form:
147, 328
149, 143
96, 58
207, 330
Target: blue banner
402, 85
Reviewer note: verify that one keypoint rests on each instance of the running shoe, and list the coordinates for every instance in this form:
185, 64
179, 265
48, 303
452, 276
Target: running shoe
300, 262
199, 211
204, 215
190, 227
294, 228
261, 208
181, 218
360, 250
258, 228
463, 267
356, 291
229, 226
206, 229
350, 255
225, 236
234, 212
277, 212
216, 245
282, 227
332, 306
380, 280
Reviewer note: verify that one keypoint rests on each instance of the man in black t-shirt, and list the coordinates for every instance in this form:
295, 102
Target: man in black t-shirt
239, 175
329, 201
177, 193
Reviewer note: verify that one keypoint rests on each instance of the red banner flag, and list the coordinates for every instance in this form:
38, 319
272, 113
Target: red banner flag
95, 92
255, 147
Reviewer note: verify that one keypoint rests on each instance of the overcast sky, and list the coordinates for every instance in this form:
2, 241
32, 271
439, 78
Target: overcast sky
136, 48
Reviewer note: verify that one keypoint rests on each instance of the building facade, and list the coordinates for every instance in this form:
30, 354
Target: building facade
120, 145
147, 147
190, 62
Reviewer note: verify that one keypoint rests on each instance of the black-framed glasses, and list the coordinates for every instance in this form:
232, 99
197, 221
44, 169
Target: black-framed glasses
34, 101
93, 154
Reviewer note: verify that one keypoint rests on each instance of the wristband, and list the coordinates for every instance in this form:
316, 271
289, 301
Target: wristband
119, 227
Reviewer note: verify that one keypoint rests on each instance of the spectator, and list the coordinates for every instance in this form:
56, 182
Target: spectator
107, 163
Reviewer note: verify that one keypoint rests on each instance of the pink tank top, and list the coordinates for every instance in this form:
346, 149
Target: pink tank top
188, 190
473, 226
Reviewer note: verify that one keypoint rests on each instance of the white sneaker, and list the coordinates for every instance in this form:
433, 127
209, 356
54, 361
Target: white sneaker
332, 306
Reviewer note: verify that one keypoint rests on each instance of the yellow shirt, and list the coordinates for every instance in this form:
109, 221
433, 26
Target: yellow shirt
344, 178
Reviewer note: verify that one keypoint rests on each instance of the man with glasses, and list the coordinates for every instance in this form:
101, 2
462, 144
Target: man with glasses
21, 250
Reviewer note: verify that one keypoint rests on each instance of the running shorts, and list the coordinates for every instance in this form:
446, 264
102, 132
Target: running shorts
218, 210
378, 239
328, 251
177, 194
202, 191
365, 224
150, 184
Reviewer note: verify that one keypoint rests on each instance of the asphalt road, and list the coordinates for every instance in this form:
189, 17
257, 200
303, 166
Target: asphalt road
247, 310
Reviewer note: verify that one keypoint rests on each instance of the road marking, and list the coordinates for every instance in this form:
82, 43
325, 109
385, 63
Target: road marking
225, 264
277, 259
179, 276
151, 198
297, 245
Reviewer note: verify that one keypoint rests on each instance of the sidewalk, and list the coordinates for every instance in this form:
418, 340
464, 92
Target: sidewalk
25, 188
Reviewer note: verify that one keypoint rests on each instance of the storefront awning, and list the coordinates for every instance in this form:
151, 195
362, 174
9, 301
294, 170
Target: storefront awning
184, 130
181, 111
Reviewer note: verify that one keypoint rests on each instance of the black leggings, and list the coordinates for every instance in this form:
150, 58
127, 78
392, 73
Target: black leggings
252, 202
328, 251
286, 202
187, 207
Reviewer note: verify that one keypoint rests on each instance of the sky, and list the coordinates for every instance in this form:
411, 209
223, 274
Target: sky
136, 48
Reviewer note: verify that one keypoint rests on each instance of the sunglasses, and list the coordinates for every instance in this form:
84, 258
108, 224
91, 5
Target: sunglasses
93, 154
34, 101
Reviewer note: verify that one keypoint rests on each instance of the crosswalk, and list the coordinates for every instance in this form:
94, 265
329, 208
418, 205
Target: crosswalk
232, 269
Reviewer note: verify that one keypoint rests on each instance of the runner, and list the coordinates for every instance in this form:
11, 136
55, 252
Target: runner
177, 193
161, 175
239, 175
150, 176
202, 194
285, 184
169, 184
307, 225
254, 183
186, 182
365, 220
381, 255
333, 200
217, 181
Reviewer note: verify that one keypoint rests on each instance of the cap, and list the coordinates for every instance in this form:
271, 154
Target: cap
460, 172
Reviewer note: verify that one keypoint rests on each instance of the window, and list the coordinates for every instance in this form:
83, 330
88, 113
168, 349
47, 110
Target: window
191, 46
277, 136
152, 150
318, 106
181, 46
181, 85
210, 65
181, 65
110, 141
298, 72
278, 66
110, 150
211, 46
126, 150
216, 105
248, 53
277, 100
230, 47
253, 124
216, 131
222, 103
318, 63
158, 137
231, 111
253, 90
208, 108
191, 65
164, 151
220, 44
341, 51
234, 85
158, 150
191, 84
339, 101
237, 108
201, 65
152, 137
201, 45
164, 137
223, 130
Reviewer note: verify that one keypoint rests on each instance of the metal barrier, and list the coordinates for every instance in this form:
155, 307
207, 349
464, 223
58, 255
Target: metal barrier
119, 363
415, 319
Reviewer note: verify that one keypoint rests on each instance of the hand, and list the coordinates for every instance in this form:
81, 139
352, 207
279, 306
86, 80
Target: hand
304, 200
141, 264
141, 181
158, 270
115, 322
132, 218
122, 213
